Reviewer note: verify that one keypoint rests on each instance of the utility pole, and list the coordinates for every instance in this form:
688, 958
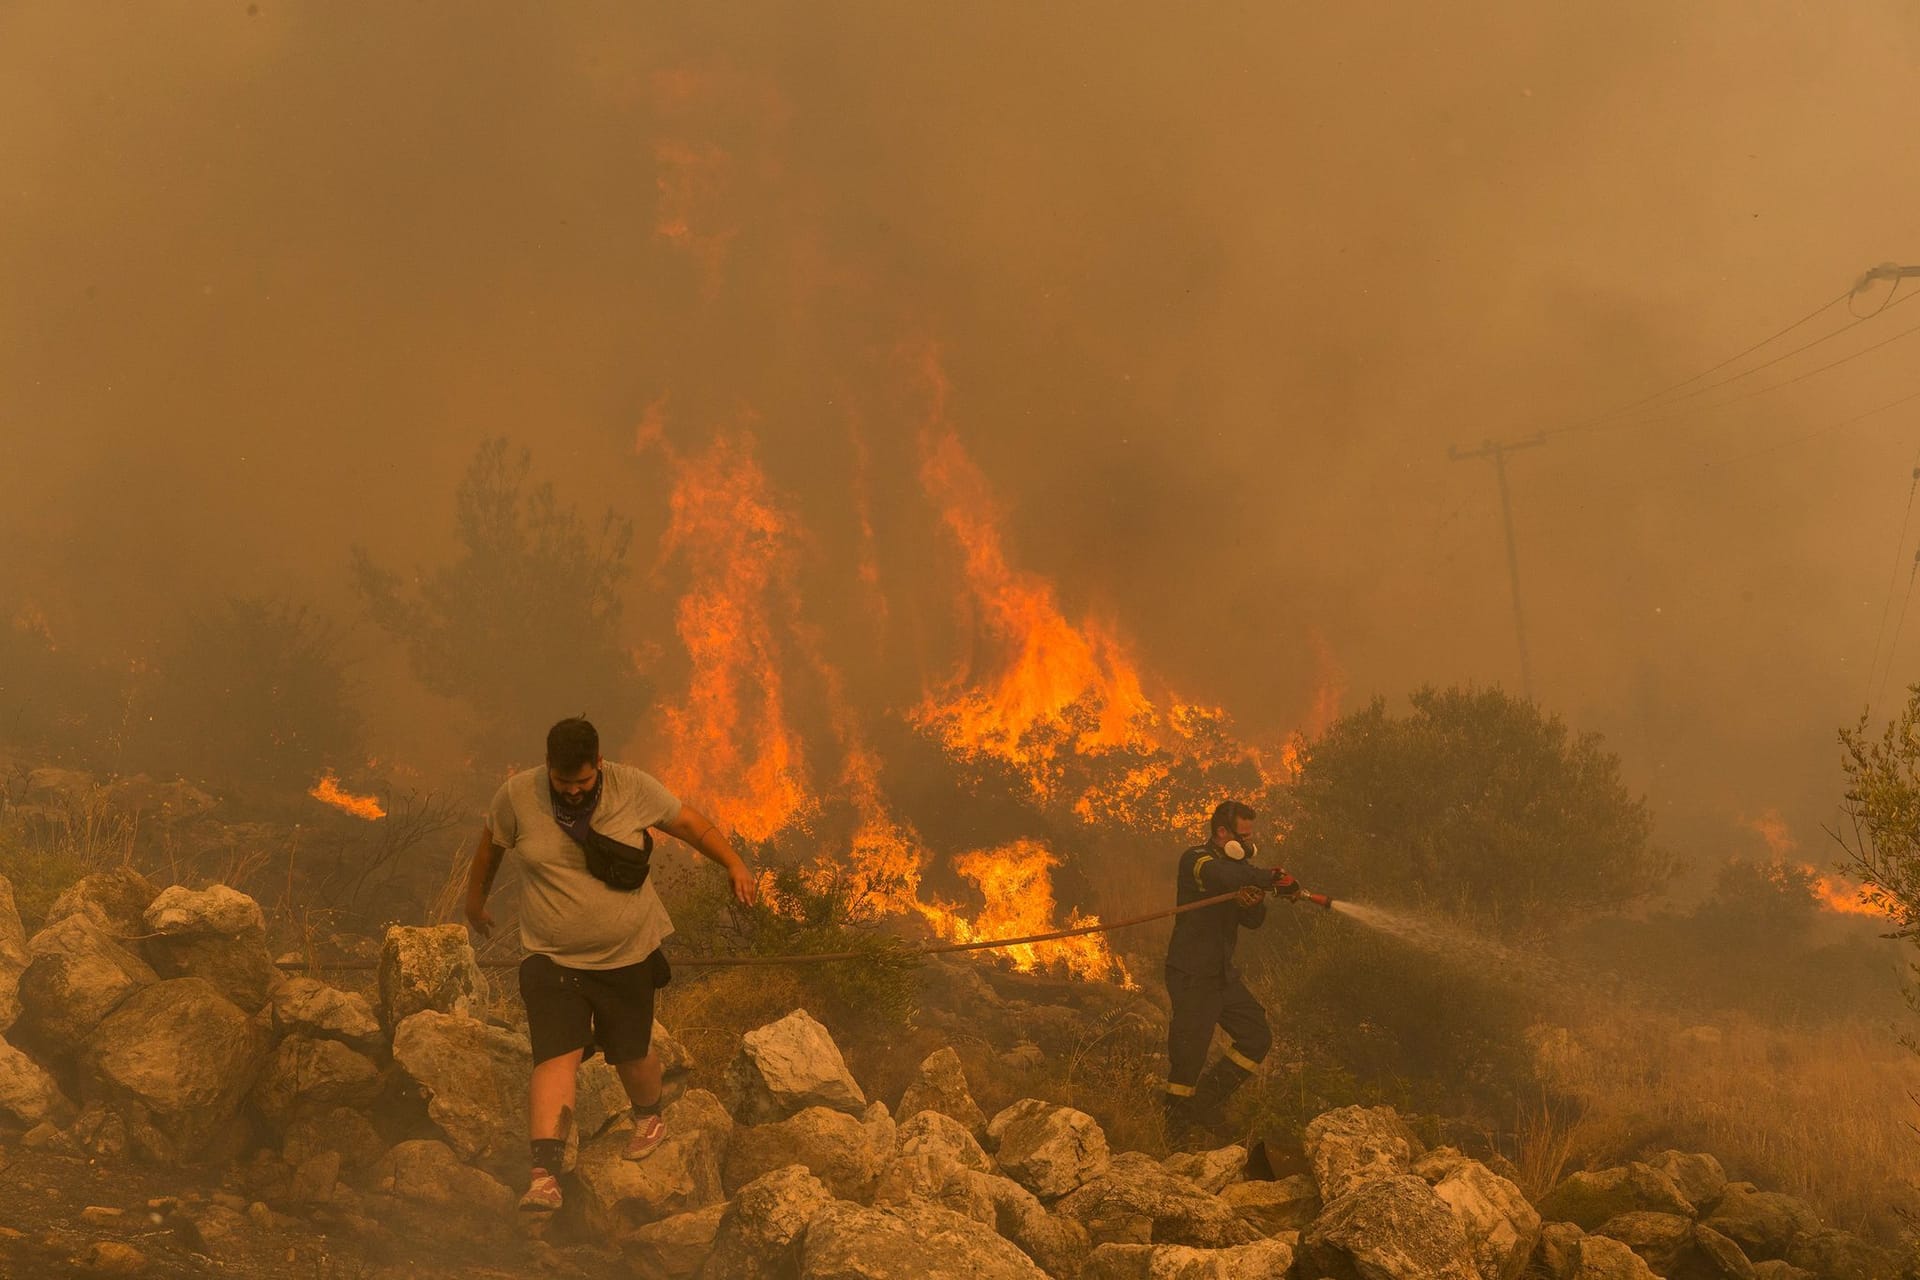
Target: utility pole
1886, 271
1498, 451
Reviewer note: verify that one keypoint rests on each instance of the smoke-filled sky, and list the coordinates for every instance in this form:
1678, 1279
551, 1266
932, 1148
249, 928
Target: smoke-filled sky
1213, 289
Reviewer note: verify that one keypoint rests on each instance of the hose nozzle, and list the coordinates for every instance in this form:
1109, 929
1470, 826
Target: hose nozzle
1320, 900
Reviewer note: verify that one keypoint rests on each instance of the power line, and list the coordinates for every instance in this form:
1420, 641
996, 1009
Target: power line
1626, 409
1886, 271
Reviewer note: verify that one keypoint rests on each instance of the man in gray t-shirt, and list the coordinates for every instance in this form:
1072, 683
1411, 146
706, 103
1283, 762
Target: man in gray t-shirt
581, 830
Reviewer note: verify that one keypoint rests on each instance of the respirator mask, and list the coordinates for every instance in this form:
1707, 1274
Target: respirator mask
1240, 850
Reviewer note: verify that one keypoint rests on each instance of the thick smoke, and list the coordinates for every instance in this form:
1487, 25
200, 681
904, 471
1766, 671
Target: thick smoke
1213, 290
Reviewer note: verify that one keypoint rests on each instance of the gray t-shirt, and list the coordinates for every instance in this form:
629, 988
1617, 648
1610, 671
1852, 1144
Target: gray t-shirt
564, 911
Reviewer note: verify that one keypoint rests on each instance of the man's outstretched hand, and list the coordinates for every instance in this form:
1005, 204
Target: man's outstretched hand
741, 882
478, 919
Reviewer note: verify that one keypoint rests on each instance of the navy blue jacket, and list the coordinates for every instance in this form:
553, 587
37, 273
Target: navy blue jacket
1203, 940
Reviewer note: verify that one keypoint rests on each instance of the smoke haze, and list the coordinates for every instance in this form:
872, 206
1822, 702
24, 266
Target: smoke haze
1211, 293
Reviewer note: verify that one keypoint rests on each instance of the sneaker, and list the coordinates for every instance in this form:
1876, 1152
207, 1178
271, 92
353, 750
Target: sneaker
543, 1194
647, 1134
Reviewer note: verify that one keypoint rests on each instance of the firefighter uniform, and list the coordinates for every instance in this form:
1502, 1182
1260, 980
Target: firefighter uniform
1206, 990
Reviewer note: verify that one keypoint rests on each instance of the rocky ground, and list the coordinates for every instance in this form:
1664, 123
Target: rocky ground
180, 1105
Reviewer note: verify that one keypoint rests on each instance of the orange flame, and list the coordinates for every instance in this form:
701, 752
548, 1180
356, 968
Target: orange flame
1058, 686
1832, 892
1017, 883
739, 548
328, 791
1836, 893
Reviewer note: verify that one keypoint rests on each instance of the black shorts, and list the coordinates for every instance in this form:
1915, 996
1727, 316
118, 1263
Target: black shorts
581, 1009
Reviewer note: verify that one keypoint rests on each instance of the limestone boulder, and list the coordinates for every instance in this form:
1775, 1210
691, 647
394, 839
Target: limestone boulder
942, 1087
1262, 1260
116, 900
1500, 1224
1209, 1170
1697, 1176
429, 968
1057, 1243
175, 1060
1386, 1228
1352, 1146
14, 956
27, 1093
929, 1132
1765, 1224
847, 1154
1604, 1258
674, 1058
216, 933
1048, 1149
1588, 1199
910, 1241
1779, 1269
1661, 1239
1842, 1255
305, 1006
1132, 1200
619, 1196
473, 1077
428, 1172
676, 1247
1288, 1204
760, 1232
787, 1066
306, 1076
78, 974
219, 911
1714, 1257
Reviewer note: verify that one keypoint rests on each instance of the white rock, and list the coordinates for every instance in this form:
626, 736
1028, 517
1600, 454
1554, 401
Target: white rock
788, 1066
474, 1077
217, 910
1048, 1149
1356, 1145
27, 1092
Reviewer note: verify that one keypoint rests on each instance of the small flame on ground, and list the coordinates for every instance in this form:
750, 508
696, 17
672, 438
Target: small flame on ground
329, 791
1836, 893
1832, 892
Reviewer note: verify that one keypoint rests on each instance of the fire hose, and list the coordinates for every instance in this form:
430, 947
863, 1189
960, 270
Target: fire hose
1283, 884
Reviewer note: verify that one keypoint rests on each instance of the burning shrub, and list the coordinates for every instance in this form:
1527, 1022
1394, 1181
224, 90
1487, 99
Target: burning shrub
1476, 800
524, 625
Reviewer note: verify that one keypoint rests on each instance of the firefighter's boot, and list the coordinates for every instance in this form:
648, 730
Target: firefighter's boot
1217, 1085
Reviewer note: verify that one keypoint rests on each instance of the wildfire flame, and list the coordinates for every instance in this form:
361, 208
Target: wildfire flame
1017, 882
329, 791
1832, 892
1836, 893
739, 547
1059, 687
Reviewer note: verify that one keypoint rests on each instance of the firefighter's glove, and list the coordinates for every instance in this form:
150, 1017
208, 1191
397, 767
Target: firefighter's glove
1251, 895
1286, 886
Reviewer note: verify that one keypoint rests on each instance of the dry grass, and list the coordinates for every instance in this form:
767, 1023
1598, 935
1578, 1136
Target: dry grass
1823, 1113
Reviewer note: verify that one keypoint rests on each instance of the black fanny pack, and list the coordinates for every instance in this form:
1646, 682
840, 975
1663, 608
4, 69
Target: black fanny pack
616, 865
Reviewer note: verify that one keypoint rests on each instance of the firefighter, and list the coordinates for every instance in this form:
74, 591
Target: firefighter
1202, 982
